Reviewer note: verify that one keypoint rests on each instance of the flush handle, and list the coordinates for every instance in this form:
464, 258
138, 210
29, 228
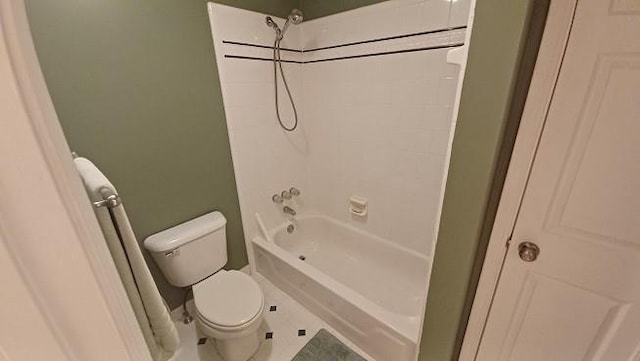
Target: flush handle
175, 252
528, 251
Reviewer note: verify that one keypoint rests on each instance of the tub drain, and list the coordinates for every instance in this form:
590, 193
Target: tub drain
302, 258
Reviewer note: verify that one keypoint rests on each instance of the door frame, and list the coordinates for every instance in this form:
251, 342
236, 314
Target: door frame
47, 224
547, 68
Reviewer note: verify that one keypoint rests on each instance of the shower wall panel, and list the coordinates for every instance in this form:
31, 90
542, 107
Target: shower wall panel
374, 93
378, 99
266, 159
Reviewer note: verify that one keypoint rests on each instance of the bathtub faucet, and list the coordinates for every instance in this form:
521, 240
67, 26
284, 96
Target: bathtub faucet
289, 210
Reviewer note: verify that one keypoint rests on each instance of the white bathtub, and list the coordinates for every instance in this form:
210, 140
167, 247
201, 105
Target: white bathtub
367, 288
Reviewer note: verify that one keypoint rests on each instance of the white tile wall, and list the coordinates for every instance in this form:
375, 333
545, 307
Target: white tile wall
377, 127
266, 159
459, 12
384, 19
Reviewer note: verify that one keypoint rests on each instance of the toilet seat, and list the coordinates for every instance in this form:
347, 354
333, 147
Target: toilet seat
240, 327
228, 300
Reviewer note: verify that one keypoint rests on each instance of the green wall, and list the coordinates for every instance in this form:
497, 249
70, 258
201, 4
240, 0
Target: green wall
136, 89
501, 57
318, 8
279, 8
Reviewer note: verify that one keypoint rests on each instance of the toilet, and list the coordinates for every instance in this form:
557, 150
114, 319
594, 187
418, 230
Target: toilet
229, 304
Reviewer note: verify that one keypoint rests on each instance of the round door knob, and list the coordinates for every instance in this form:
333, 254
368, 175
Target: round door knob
528, 251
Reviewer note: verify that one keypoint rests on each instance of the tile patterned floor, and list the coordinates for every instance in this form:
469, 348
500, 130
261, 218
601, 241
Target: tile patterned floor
287, 327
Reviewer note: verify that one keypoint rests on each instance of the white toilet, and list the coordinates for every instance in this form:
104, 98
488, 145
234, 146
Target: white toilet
229, 304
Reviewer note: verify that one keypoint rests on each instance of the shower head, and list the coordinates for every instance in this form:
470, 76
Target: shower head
272, 24
295, 17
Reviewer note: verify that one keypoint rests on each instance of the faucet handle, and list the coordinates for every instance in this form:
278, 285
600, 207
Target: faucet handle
285, 195
294, 191
277, 199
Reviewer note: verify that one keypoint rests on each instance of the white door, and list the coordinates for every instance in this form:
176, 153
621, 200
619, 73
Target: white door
580, 299
23, 324
61, 298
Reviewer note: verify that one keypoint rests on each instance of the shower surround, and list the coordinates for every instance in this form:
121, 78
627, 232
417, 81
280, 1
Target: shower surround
375, 96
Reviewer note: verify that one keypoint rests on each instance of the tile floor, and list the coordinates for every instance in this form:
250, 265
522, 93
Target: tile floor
287, 327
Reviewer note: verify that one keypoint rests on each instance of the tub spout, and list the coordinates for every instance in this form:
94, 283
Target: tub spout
289, 210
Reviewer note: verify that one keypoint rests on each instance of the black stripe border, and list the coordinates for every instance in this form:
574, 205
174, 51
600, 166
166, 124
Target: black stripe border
242, 57
385, 38
445, 46
258, 46
394, 37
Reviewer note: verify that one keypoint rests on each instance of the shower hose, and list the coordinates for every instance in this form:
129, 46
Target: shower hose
277, 63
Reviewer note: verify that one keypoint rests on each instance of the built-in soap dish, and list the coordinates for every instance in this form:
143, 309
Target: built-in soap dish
358, 206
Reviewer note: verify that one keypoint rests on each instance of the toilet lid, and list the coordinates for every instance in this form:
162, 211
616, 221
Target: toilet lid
228, 298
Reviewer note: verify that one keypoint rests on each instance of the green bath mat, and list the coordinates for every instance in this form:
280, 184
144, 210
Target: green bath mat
326, 347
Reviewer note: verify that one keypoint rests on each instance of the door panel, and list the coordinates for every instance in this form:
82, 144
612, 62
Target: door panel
548, 304
580, 299
604, 208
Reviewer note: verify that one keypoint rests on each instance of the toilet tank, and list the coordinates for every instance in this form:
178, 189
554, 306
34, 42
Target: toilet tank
191, 251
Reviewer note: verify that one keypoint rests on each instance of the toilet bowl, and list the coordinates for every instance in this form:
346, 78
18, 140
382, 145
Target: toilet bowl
229, 304
229, 309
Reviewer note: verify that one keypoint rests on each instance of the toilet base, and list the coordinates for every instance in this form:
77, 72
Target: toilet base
234, 345
238, 349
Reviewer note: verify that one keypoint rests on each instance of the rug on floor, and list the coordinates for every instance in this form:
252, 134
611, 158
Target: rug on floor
326, 347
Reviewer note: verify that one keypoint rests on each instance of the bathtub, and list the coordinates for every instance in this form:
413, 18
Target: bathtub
368, 289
